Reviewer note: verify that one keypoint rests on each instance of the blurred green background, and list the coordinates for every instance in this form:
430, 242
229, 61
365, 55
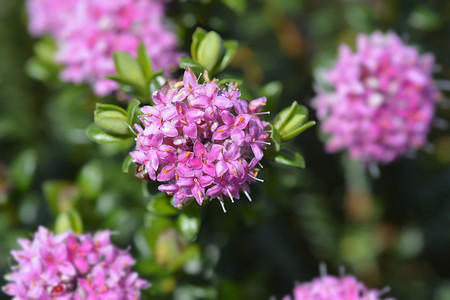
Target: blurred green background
388, 231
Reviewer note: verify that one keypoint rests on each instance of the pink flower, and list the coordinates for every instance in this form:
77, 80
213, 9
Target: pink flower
72, 266
88, 32
201, 141
382, 101
334, 288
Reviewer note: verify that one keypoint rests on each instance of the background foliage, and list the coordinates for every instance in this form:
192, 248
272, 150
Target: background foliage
390, 231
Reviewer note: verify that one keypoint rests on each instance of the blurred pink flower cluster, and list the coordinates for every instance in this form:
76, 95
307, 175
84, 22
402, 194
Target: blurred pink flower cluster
87, 32
334, 288
72, 266
382, 102
202, 141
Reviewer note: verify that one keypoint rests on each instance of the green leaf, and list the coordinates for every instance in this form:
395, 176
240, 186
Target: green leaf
294, 132
238, 6
155, 82
197, 37
272, 90
23, 168
144, 60
290, 122
112, 121
225, 81
154, 225
133, 110
128, 68
69, 221
99, 107
188, 226
120, 80
127, 162
275, 138
98, 135
90, 179
209, 50
290, 158
61, 195
186, 62
161, 206
230, 50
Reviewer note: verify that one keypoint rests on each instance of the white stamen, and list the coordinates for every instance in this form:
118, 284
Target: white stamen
263, 142
323, 269
231, 197
262, 113
132, 130
223, 205
248, 196
260, 180
259, 164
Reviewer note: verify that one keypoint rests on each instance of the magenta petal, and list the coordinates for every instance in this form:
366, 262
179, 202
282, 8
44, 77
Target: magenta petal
168, 113
205, 180
67, 268
193, 115
214, 190
190, 130
198, 192
241, 121
167, 173
153, 158
209, 169
168, 129
257, 151
81, 264
213, 154
195, 163
184, 171
237, 135
199, 149
189, 78
185, 182
221, 168
222, 102
168, 188
221, 133
236, 169
200, 101
233, 152
210, 113
227, 118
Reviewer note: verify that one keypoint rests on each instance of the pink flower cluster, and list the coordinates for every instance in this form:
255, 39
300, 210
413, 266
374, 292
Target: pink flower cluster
382, 102
88, 32
334, 288
72, 266
202, 141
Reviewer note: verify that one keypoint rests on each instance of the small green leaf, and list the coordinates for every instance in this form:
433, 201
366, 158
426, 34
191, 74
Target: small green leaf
133, 110
197, 37
90, 179
283, 116
23, 168
120, 80
290, 158
275, 138
161, 206
127, 162
225, 81
294, 132
69, 221
186, 62
155, 82
188, 226
99, 107
61, 195
230, 50
272, 90
238, 6
98, 135
144, 60
209, 50
128, 68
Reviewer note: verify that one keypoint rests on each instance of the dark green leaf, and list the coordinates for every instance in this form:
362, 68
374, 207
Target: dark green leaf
230, 50
197, 37
290, 158
208, 50
69, 221
294, 132
127, 162
98, 135
275, 138
133, 110
144, 61
188, 226
23, 168
161, 205
186, 62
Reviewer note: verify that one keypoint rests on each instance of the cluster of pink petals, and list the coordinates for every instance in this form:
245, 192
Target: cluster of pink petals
333, 288
88, 32
382, 102
72, 266
201, 141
